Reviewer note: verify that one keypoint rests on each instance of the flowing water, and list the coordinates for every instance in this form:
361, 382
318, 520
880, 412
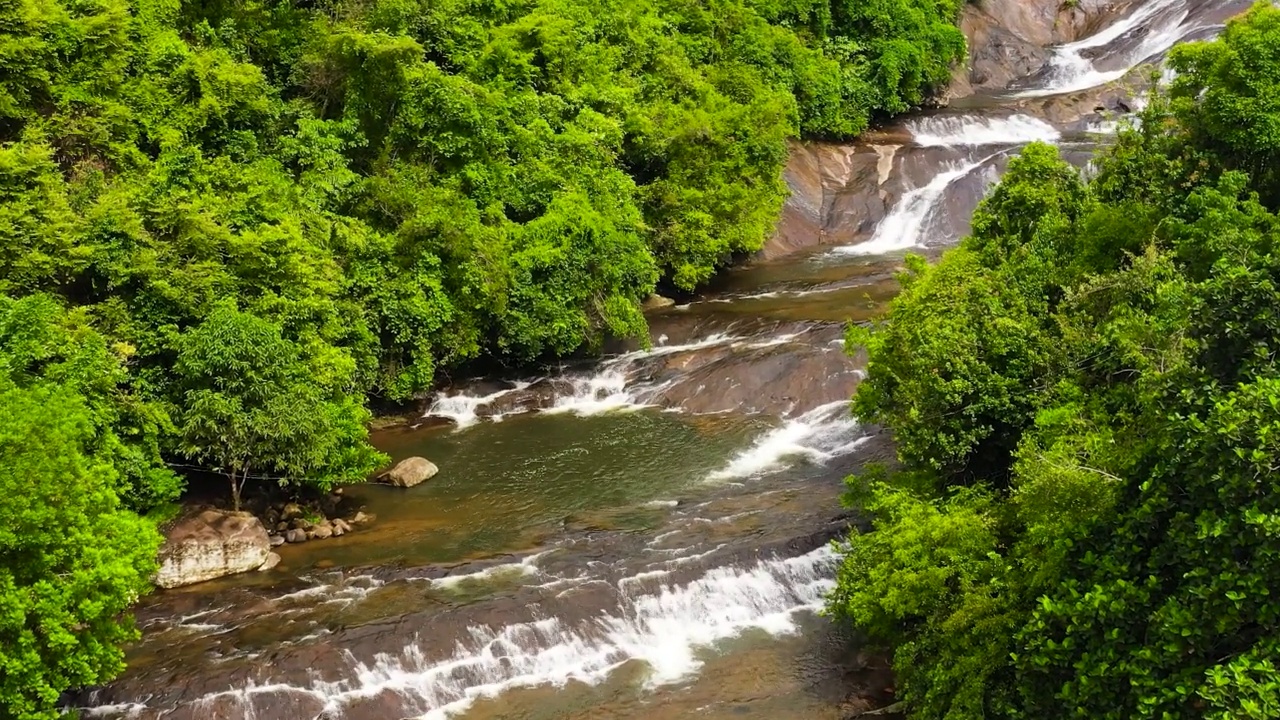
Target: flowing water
642, 536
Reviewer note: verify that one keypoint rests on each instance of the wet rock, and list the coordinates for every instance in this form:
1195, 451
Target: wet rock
300, 524
410, 472
282, 527
277, 540
337, 529
210, 545
361, 517
835, 196
656, 302
291, 511
323, 531
340, 525
296, 535
273, 559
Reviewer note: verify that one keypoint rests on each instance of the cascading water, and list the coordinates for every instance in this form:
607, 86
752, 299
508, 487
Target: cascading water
1164, 24
975, 131
823, 433
905, 226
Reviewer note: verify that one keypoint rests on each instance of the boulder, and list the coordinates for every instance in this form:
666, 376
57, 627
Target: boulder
411, 471
273, 559
296, 535
210, 545
656, 302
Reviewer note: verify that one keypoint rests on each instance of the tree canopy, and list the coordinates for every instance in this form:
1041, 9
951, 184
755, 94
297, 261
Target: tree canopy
1086, 396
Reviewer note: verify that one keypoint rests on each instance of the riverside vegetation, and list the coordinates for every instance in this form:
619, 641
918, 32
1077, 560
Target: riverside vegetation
1085, 395
226, 226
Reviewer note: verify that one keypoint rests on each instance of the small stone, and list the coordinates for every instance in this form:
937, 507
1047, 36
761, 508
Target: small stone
291, 511
277, 540
273, 559
282, 527
337, 529
361, 517
300, 524
322, 532
296, 535
342, 525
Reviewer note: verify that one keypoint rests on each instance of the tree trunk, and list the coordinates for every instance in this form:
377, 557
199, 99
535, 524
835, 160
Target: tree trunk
237, 486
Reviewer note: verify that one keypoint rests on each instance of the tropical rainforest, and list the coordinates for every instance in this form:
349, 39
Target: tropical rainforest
1085, 396
227, 226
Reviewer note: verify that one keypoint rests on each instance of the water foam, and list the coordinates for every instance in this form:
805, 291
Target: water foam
1070, 71
973, 131
819, 435
663, 629
462, 408
905, 226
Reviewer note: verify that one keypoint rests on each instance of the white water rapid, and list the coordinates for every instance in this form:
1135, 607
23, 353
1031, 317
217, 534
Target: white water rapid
663, 628
1163, 24
906, 224
976, 131
819, 435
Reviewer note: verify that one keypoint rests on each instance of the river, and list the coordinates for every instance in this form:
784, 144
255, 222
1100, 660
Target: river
647, 535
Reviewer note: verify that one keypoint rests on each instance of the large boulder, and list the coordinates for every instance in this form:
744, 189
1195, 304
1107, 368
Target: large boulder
210, 545
411, 471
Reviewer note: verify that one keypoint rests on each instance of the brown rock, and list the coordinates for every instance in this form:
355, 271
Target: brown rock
656, 302
411, 471
361, 517
210, 545
273, 559
291, 511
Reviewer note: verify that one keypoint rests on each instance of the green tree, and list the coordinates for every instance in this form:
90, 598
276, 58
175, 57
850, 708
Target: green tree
250, 402
73, 559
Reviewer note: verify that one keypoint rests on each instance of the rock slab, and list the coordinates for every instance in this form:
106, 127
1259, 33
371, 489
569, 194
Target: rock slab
210, 545
411, 471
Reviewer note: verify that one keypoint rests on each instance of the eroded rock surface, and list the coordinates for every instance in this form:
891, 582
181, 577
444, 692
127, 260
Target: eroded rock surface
211, 545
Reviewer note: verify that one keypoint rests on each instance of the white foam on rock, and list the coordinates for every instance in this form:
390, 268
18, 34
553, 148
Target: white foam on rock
664, 628
975, 131
1071, 71
826, 432
905, 225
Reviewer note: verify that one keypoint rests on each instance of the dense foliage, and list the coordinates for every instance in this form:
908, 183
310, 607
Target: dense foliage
1085, 522
72, 559
226, 225
392, 187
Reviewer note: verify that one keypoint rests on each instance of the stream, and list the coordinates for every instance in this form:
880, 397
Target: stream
646, 535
